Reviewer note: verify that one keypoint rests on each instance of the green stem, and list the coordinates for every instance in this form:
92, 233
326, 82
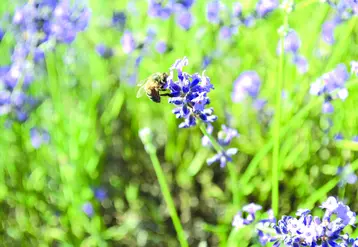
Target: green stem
277, 127
167, 196
232, 173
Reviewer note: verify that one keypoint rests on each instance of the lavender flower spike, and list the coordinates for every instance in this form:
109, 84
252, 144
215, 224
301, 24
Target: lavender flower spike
189, 94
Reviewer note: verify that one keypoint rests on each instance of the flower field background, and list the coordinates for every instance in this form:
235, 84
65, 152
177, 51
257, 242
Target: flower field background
260, 107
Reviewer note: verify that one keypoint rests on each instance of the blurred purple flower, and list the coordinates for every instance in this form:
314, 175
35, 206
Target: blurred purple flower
301, 64
156, 9
206, 62
128, 42
338, 137
250, 21
259, 104
226, 32
184, 19
213, 12
88, 209
223, 157
328, 30
119, 20
100, 194
239, 221
347, 175
332, 84
161, 47
39, 137
2, 34
185, 3
327, 107
226, 134
237, 9
292, 42
104, 51
264, 7
247, 84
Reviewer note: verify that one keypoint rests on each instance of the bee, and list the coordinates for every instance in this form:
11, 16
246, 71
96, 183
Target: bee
152, 86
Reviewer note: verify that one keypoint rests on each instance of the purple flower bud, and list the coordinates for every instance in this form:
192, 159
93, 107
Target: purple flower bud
327, 108
87, 208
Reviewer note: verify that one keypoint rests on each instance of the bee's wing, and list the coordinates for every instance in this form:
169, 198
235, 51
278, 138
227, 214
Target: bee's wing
141, 91
141, 83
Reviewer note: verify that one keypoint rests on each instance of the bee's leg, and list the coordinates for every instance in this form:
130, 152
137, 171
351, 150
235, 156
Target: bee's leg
167, 94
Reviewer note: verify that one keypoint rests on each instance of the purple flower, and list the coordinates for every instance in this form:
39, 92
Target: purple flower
67, 21
2, 34
237, 9
327, 107
355, 138
189, 94
186, 3
249, 21
347, 175
259, 104
104, 51
206, 62
292, 42
301, 64
88, 209
226, 32
213, 12
328, 30
161, 47
338, 137
332, 85
226, 134
156, 9
308, 230
184, 19
239, 221
119, 20
247, 84
223, 157
100, 194
39, 137
128, 42
264, 7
